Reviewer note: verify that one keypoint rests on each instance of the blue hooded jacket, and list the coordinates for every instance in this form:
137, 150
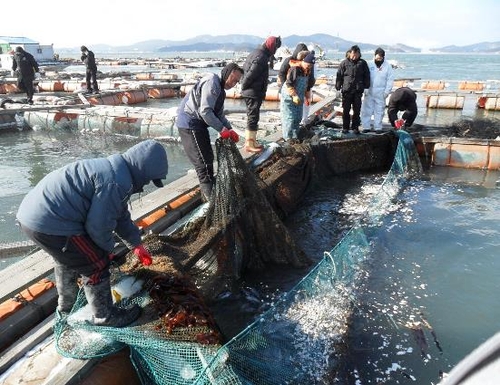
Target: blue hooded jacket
91, 196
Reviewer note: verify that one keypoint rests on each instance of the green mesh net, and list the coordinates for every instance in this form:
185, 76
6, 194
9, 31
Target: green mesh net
299, 340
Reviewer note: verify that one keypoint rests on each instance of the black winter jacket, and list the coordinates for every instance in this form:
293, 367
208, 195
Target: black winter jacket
352, 76
26, 65
256, 76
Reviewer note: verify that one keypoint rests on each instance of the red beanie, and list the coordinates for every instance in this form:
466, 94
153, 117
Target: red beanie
272, 43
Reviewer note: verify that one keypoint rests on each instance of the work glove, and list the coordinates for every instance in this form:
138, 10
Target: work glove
143, 255
229, 134
296, 100
399, 123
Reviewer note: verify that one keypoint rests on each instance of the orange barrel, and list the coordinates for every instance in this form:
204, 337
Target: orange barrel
144, 76
108, 99
108, 84
51, 85
445, 101
163, 76
50, 120
160, 93
233, 93
492, 103
273, 95
74, 85
481, 101
134, 96
400, 83
11, 88
185, 89
110, 124
2, 89
159, 125
433, 85
470, 86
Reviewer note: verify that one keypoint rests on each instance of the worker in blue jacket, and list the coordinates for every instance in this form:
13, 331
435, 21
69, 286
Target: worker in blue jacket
74, 213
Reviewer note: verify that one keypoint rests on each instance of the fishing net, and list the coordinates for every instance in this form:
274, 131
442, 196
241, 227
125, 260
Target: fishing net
176, 340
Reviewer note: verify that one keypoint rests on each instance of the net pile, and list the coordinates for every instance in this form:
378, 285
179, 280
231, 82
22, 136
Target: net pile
298, 340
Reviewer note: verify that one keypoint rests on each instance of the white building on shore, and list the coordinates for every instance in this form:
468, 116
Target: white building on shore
41, 53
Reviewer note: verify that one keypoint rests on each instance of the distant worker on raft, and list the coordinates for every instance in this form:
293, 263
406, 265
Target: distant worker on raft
90, 70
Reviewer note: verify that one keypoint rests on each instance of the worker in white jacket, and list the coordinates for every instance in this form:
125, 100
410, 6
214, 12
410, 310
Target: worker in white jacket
381, 82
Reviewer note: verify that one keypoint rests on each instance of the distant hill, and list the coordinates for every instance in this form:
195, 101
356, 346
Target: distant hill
485, 47
245, 43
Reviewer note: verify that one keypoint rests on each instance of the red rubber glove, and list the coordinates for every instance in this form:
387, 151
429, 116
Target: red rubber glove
399, 123
229, 134
143, 255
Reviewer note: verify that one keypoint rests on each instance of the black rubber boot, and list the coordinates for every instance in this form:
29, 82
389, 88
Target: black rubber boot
103, 311
67, 288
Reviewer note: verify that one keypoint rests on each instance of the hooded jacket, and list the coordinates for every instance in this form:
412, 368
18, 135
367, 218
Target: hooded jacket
91, 196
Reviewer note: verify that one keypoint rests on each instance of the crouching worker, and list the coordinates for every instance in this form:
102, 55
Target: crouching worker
201, 108
73, 214
402, 99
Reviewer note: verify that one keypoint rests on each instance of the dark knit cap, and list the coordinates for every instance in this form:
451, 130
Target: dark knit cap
226, 71
83, 48
310, 58
380, 51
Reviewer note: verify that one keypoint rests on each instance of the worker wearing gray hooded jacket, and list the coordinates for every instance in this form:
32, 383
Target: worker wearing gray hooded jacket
73, 214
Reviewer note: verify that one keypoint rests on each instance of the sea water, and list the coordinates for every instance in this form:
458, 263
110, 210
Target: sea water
430, 288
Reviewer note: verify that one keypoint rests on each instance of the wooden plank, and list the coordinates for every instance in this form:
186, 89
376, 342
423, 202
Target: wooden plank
28, 342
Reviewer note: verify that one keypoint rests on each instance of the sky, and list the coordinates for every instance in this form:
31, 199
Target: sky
421, 23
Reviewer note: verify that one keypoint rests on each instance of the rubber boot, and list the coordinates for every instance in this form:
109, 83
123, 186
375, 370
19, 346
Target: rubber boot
206, 190
67, 288
104, 313
251, 144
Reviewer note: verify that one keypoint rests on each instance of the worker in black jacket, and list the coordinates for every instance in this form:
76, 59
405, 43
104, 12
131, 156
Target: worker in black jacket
91, 70
402, 99
254, 87
26, 66
353, 77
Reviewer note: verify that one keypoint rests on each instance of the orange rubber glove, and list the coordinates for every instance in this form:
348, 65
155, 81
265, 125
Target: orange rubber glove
143, 255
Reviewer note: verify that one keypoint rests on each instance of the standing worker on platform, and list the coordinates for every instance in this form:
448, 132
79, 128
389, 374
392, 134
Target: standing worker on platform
27, 69
300, 49
201, 108
74, 213
254, 87
353, 77
403, 99
91, 70
381, 82
293, 94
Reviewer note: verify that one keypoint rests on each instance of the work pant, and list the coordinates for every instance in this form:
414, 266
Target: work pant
351, 100
25, 83
199, 152
77, 253
253, 113
91, 78
373, 104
